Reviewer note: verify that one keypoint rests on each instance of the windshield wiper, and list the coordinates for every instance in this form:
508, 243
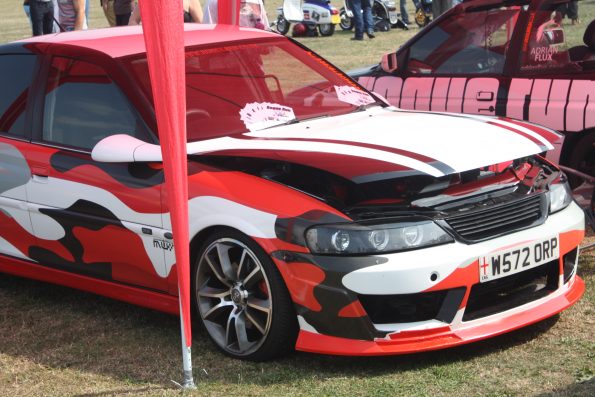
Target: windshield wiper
361, 108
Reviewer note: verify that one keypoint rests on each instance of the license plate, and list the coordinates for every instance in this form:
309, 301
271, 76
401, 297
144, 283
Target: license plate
335, 19
517, 259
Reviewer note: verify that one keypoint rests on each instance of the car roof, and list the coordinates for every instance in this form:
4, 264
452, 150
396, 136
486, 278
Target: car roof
129, 40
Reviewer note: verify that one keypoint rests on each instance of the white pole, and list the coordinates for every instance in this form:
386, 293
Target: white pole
188, 381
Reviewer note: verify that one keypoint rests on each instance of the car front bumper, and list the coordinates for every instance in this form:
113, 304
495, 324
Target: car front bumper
329, 293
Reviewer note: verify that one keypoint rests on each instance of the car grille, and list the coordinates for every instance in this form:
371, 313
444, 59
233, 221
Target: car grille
478, 225
509, 292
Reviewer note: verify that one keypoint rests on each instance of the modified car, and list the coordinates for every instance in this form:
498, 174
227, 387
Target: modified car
517, 58
321, 218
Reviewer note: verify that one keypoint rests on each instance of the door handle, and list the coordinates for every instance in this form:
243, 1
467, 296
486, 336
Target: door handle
485, 96
40, 174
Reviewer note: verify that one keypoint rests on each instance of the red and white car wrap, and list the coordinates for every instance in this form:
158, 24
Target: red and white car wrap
293, 201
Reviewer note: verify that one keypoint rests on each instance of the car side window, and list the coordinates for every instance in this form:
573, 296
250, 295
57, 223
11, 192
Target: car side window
474, 42
83, 105
16, 73
544, 46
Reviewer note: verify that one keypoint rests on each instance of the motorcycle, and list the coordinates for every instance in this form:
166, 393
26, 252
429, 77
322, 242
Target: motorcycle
423, 12
312, 13
384, 13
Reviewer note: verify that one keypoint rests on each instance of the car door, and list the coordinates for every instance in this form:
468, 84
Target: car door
16, 75
552, 87
459, 64
97, 219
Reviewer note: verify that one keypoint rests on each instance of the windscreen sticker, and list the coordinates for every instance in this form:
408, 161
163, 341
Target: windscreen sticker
543, 54
260, 115
353, 96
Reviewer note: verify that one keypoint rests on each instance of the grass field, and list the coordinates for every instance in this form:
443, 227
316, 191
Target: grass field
56, 341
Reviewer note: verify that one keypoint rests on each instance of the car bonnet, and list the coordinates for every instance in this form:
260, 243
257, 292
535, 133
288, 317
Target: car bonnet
387, 142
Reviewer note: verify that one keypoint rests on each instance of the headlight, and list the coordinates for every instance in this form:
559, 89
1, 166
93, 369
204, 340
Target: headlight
351, 238
560, 196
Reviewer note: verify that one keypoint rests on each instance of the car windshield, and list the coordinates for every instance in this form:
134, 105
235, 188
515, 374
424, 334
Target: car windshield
251, 86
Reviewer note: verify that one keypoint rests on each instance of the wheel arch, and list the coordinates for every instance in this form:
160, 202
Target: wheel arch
577, 154
571, 140
287, 315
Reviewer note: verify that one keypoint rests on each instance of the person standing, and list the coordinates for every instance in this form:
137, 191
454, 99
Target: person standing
569, 10
364, 22
108, 11
72, 15
123, 10
42, 16
404, 15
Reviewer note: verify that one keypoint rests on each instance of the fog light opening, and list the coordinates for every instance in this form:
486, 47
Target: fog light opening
434, 276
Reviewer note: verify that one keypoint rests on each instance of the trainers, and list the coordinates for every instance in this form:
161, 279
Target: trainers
357, 38
371, 35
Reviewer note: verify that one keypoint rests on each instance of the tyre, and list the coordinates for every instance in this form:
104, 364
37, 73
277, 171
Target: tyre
326, 29
241, 298
346, 22
282, 25
583, 158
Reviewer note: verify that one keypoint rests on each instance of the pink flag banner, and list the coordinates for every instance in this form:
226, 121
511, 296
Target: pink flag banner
163, 31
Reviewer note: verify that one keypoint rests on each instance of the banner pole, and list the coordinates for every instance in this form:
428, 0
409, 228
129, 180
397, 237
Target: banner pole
188, 381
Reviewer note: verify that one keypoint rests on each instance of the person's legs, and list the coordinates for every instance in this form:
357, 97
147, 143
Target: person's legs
404, 15
48, 18
122, 19
108, 10
368, 18
27, 10
356, 7
572, 12
36, 10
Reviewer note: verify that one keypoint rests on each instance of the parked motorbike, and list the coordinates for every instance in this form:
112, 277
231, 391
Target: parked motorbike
423, 12
384, 12
311, 13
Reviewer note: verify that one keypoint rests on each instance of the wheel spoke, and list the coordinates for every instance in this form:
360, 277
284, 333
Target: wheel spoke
218, 308
241, 334
225, 261
216, 271
254, 276
255, 322
210, 292
243, 259
228, 329
263, 305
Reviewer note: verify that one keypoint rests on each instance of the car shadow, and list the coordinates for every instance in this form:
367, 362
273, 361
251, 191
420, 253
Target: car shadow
59, 328
577, 389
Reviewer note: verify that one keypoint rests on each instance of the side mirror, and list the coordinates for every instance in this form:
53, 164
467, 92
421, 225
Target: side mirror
389, 62
122, 148
554, 36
